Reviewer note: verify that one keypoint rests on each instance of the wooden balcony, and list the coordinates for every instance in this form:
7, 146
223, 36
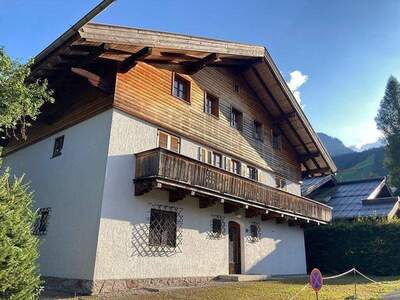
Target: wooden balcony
160, 168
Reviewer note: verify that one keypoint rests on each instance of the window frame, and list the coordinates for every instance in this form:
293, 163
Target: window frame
214, 155
176, 76
254, 231
41, 221
280, 182
239, 167
276, 140
216, 231
255, 172
169, 139
214, 110
257, 135
236, 119
57, 149
156, 237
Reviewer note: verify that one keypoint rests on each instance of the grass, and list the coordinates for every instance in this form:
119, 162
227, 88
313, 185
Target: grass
342, 288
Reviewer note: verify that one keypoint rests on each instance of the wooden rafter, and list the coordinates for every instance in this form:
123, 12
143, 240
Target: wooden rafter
131, 61
308, 156
316, 171
284, 117
276, 103
94, 79
200, 64
93, 54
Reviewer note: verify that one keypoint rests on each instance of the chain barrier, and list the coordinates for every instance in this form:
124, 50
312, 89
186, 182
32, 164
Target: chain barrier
354, 270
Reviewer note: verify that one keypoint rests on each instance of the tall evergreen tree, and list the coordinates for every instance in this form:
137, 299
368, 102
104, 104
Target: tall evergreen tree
388, 122
20, 103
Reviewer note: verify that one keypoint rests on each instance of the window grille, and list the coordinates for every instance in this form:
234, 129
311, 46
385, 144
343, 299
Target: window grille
255, 233
42, 221
217, 229
162, 228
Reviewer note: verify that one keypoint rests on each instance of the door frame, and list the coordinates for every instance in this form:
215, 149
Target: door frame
237, 267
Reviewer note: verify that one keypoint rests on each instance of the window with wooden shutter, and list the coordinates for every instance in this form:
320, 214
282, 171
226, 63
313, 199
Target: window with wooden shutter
181, 87
211, 105
228, 163
217, 160
236, 167
252, 173
169, 141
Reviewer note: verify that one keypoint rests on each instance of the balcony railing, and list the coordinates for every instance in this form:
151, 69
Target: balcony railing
191, 174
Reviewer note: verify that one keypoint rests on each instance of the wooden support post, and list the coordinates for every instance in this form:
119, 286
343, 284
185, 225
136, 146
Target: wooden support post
176, 195
230, 207
206, 202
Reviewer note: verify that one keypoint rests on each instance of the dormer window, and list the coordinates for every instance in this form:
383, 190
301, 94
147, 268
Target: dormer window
181, 88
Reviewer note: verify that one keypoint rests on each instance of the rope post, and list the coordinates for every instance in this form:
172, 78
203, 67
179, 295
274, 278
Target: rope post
355, 283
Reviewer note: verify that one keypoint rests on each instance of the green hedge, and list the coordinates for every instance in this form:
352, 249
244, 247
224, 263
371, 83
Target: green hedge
373, 247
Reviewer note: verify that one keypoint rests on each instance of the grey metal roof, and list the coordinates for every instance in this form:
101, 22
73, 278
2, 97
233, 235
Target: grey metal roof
311, 184
350, 199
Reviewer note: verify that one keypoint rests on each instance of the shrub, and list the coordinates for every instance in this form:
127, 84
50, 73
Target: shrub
371, 246
19, 277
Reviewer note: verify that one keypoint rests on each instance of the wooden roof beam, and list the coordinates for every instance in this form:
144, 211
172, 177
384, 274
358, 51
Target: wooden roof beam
200, 64
308, 156
94, 79
131, 61
93, 54
315, 171
284, 117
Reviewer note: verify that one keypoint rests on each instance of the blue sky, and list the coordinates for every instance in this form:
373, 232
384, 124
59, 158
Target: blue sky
346, 49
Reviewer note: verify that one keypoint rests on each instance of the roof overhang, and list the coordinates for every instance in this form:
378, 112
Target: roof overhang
96, 43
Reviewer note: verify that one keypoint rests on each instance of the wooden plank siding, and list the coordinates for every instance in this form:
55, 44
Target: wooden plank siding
145, 92
86, 102
186, 173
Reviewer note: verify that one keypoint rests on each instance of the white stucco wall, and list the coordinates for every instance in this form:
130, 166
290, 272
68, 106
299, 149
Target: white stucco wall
72, 186
121, 251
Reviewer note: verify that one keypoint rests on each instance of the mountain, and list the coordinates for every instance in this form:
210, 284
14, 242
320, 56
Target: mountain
361, 165
377, 144
365, 162
334, 146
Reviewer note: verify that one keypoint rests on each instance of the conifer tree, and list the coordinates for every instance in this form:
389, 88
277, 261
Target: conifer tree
388, 122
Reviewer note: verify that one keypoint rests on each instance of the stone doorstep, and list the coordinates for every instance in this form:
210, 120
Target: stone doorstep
242, 277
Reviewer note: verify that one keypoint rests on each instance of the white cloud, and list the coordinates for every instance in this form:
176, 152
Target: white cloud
361, 134
296, 80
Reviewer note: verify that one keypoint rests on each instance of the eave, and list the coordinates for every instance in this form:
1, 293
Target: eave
124, 46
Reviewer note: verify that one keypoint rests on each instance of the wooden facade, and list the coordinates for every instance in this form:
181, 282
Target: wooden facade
183, 176
145, 92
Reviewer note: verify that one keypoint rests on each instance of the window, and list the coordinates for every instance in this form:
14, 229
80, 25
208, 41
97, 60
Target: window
162, 228
169, 141
254, 231
252, 173
280, 182
205, 155
217, 160
236, 87
40, 227
217, 226
181, 88
236, 167
211, 105
257, 130
276, 140
58, 145
236, 119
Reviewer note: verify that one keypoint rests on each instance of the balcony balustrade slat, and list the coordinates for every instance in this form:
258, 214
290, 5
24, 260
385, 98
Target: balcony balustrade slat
175, 167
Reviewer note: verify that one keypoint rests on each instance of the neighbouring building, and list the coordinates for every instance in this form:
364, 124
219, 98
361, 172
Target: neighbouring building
353, 199
166, 158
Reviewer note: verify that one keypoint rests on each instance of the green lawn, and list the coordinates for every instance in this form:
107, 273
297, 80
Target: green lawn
342, 288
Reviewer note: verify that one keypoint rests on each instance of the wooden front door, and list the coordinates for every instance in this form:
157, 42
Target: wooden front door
234, 248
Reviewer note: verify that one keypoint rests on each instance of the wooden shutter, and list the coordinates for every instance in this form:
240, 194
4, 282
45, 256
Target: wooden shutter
228, 164
162, 140
175, 143
209, 157
202, 154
